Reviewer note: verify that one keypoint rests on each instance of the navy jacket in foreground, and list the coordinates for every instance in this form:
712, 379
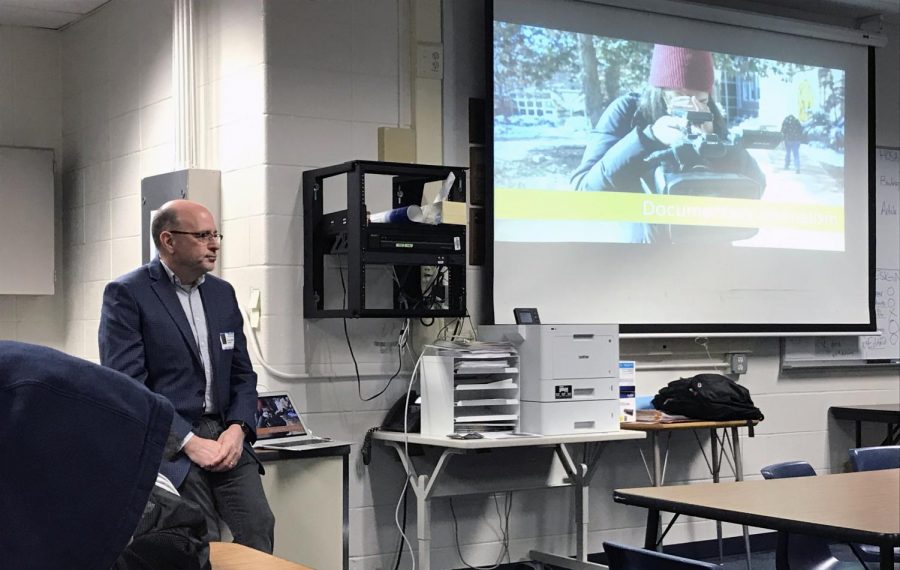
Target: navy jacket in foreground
145, 334
81, 446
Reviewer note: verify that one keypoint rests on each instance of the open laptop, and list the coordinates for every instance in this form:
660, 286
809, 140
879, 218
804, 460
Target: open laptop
279, 426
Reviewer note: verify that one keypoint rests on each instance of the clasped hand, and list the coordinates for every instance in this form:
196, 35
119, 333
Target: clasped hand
220, 454
669, 129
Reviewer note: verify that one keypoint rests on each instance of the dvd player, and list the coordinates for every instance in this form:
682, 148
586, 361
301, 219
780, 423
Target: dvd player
433, 241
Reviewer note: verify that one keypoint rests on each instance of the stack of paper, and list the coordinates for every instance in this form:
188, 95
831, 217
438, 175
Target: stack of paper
475, 349
657, 416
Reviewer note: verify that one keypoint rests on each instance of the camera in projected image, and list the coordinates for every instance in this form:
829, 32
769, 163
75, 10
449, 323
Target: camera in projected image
703, 165
694, 148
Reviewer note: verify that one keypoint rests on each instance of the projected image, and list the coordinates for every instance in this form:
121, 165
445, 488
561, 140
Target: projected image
598, 139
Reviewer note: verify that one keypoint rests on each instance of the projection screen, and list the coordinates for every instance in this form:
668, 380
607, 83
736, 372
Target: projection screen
670, 174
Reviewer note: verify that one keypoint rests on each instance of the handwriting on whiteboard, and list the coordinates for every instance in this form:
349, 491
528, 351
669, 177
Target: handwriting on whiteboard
887, 311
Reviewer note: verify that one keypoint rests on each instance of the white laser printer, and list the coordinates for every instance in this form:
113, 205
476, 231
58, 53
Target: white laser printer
569, 376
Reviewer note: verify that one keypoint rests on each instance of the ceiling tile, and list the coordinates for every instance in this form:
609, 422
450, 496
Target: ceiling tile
51, 14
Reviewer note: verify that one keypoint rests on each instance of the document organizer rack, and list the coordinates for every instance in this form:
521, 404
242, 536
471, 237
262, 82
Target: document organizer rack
470, 390
407, 247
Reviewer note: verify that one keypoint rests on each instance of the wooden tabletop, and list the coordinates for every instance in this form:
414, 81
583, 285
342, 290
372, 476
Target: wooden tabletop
859, 507
487, 443
660, 426
229, 556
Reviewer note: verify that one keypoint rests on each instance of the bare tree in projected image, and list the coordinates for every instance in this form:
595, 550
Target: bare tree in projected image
527, 57
624, 65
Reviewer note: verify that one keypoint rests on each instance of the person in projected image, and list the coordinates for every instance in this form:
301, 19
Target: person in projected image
792, 131
637, 131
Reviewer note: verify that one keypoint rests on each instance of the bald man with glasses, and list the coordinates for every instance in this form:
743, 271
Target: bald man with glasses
178, 330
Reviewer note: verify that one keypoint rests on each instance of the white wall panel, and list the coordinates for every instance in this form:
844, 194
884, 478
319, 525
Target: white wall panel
96, 263
126, 216
365, 142
282, 190
73, 226
27, 221
279, 337
300, 141
279, 291
157, 123
308, 34
7, 308
157, 160
240, 144
96, 221
124, 255
375, 99
244, 192
96, 180
9, 330
125, 134
93, 297
91, 327
74, 340
309, 92
124, 175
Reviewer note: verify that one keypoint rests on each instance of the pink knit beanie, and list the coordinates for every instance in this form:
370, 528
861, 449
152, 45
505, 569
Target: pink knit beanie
681, 68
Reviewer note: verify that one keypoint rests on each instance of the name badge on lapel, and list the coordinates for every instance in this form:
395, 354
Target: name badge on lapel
227, 340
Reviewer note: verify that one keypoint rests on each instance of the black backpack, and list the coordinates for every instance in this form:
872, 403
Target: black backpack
169, 535
707, 397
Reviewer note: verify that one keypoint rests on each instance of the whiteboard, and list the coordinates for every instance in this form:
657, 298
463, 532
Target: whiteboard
843, 351
26, 221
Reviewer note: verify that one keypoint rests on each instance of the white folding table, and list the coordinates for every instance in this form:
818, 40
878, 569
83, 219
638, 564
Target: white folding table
578, 475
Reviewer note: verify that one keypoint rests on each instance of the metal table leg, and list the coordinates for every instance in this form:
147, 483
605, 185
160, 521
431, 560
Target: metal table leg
885, 558
657, 462
716, 465
423, 486
892, 435
423, 519
653, 517
577, 472
580, 474
739, 476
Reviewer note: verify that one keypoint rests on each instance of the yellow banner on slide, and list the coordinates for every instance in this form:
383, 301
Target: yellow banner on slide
556, 205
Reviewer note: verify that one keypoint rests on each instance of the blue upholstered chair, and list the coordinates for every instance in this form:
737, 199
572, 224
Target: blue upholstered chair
874, 459
788, 469
798, 551
621, 557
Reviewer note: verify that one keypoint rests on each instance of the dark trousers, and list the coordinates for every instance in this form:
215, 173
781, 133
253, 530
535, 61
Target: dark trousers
235, 497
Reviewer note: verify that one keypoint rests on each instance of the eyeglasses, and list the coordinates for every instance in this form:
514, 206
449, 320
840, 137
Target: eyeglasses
202, 236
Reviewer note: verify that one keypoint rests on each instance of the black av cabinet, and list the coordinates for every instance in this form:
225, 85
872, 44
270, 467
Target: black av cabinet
427, 263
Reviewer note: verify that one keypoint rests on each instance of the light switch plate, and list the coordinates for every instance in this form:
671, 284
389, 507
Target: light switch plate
255, 311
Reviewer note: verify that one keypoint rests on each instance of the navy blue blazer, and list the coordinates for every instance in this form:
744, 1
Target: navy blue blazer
81, 446
145, 334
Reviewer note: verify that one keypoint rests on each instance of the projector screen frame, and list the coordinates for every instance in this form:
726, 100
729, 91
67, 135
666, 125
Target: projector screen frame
687, 329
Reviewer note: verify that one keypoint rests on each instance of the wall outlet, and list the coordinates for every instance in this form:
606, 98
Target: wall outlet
429, 60
738, 363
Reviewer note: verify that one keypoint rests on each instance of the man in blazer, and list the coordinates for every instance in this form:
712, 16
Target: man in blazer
178, 330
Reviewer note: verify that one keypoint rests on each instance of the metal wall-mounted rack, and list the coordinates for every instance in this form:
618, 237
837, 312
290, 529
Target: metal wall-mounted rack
408, 247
